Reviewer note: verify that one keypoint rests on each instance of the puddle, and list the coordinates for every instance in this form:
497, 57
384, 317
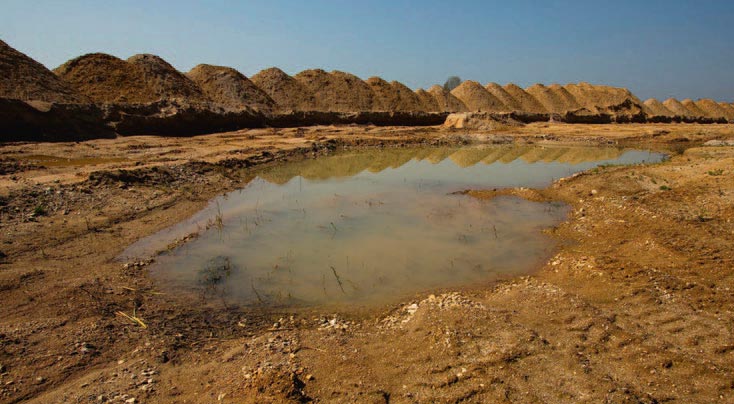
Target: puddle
372, 227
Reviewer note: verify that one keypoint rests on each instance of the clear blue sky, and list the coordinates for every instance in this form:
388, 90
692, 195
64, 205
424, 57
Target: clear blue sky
683, 49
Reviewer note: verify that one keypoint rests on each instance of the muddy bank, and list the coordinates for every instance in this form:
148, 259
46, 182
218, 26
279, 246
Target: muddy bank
633, 308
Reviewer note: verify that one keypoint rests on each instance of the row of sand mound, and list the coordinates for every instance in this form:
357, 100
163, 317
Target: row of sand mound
25, 79
106, 79
146, 79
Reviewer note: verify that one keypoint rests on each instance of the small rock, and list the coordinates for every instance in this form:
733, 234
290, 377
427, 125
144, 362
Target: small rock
594, 192
131, 400
309, 377
40, 380
3, 369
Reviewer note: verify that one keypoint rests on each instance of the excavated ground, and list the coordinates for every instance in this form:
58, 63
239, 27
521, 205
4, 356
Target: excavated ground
636, 306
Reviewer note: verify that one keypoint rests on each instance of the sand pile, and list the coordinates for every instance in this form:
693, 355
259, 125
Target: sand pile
676, 107
710, 108
728, 110
165, 81
596, 97
230, 88
446, 101
527, 103
554, 98
288, 93
337, 91
106, 79
656, 108
477, 98
480, 121
140, 79
691, 106
393, 96
505, 98
23, 78
428, 101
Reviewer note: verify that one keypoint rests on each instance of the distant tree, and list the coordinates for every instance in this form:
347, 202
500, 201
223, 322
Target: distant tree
452, 83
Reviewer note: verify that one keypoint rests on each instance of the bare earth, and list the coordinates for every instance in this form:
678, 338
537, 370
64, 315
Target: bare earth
636, 306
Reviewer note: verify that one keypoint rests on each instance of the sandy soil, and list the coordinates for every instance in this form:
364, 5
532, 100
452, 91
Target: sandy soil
636, 306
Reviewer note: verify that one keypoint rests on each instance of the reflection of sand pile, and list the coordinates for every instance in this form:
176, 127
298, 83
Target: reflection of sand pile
341, 165
230, 88
676, 107
477, 98
656, 108
352, 163
571, 155
337, 91
527, 103
438, 155
393, 96
446, 101
469, 156
25, 79
287, 92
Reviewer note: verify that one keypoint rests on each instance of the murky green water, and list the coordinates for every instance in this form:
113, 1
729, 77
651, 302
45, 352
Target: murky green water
371, 227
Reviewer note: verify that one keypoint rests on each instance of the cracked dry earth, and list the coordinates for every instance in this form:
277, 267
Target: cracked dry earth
636, 306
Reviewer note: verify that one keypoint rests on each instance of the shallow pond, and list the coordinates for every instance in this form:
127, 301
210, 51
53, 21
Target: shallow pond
371, 227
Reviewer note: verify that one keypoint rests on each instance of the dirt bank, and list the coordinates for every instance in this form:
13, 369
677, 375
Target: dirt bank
634, 307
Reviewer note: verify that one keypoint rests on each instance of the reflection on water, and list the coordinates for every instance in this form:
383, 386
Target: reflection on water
373, 226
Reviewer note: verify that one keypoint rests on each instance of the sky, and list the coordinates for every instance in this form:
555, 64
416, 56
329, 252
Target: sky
660, 49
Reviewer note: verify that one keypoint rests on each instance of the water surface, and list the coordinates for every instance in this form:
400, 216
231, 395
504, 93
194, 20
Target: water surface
371, 227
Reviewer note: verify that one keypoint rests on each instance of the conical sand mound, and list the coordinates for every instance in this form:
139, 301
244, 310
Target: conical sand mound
23, 78
711, 108
393, 96
287, 92
446, 101
676, 107
593, 97
554, 98
728, 110
505, 98
165, 81
428, 102
527, 103
409, 100
230, 88
656, 108
106, 79
477, 98
570, 102
337, 91
691, 106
